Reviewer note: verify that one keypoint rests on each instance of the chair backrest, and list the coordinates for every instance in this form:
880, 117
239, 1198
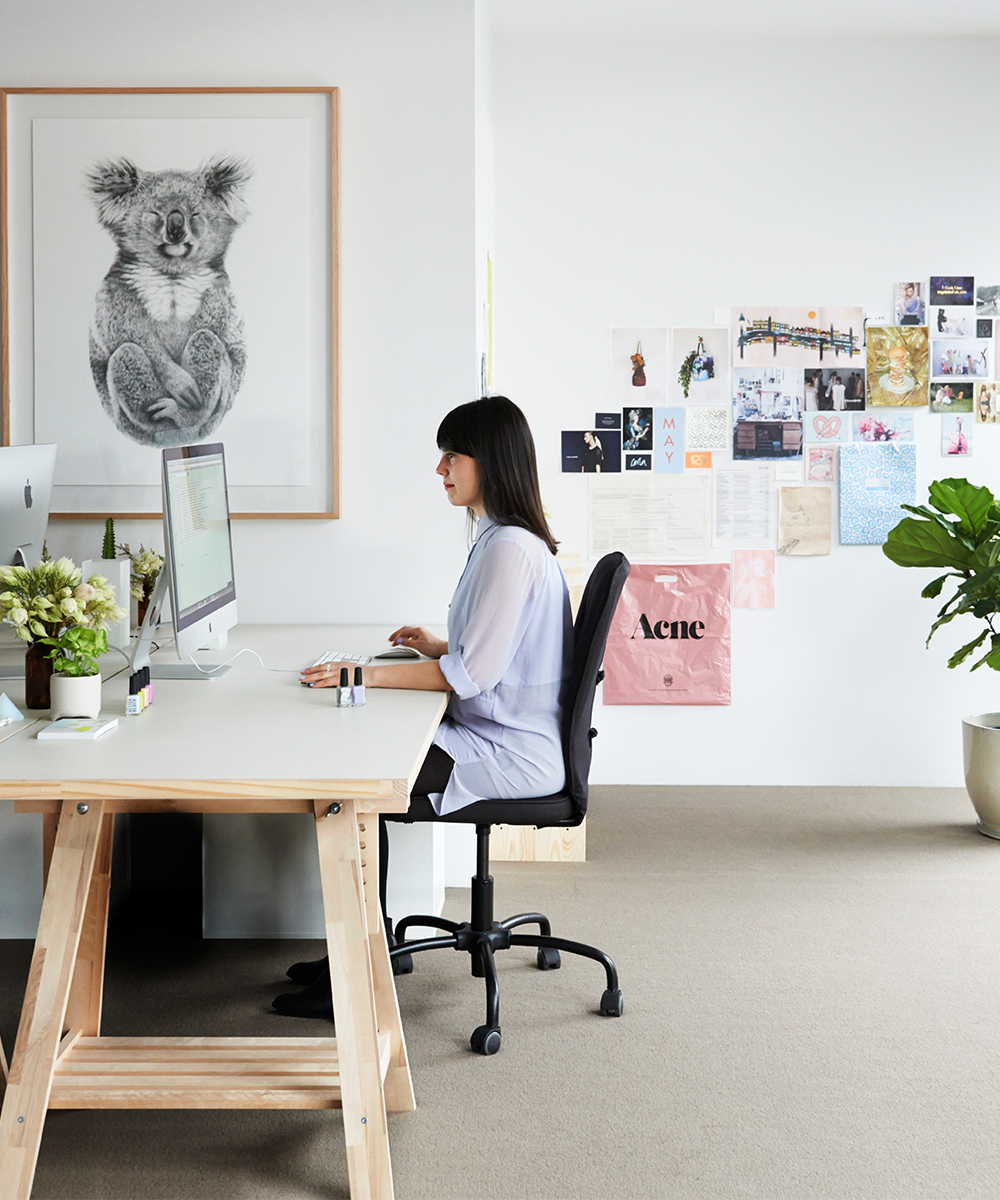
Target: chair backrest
590, 633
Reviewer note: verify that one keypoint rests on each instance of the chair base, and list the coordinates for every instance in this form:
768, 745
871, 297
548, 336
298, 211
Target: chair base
481, 937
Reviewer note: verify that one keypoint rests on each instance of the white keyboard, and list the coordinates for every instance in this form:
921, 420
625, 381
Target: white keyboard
359, 660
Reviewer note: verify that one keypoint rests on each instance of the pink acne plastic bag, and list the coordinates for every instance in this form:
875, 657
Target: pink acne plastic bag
669, 641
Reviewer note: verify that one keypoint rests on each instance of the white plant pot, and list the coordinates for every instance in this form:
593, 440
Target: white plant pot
981, 750
80, 696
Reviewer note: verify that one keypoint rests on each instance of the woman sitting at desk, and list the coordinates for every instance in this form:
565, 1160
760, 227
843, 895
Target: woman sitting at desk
509, 647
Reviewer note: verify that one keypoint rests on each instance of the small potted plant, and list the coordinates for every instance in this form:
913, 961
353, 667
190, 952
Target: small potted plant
76, 677
961, 532
42, 601
146, 567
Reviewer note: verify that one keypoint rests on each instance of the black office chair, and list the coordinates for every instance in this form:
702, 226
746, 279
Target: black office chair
481, 936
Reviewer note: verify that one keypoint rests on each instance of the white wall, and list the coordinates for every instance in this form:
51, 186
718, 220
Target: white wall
408, 313
646, 177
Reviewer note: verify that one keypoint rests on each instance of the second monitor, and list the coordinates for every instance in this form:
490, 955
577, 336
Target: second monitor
197, 571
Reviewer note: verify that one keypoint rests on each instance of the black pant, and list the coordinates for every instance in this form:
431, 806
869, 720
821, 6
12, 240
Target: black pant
433, 777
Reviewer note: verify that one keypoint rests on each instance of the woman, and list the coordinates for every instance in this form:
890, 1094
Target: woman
593, 455
509, 647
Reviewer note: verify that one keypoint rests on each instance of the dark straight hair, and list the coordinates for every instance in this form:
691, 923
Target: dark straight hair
495, 433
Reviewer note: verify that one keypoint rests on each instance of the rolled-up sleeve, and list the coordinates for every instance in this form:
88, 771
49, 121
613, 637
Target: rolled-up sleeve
506, 587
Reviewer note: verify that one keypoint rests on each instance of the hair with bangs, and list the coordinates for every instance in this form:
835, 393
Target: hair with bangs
495, 433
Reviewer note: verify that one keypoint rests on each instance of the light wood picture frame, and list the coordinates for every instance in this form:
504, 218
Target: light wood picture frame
181, 241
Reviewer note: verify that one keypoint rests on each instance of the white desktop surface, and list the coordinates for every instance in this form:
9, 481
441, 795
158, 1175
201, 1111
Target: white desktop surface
250, 724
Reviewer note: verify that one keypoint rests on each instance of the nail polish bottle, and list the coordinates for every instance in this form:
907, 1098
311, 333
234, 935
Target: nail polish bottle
344, 690
358, 691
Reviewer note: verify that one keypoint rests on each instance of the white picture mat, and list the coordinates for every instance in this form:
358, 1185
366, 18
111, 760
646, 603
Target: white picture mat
313, 495
73, 254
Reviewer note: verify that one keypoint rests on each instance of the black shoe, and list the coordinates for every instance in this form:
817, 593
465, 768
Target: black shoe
308, 972
315, 1000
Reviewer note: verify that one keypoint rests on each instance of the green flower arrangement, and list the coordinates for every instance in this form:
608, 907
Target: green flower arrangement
44, 600
146, 567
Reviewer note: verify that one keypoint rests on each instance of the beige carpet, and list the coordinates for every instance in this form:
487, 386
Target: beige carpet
812, 991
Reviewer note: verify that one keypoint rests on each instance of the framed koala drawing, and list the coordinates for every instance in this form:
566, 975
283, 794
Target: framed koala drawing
170, 276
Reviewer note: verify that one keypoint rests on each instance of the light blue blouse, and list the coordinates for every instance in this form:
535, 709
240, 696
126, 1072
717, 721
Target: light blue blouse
510, 648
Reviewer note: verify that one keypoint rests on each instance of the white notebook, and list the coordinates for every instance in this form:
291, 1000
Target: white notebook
81, 729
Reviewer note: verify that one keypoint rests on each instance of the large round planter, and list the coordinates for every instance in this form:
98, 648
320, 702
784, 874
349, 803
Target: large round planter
981, 750
80, 696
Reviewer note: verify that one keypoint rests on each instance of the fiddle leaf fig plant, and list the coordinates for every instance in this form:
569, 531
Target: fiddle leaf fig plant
960, 531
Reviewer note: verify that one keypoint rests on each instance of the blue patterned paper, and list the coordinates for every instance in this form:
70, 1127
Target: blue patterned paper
874, 481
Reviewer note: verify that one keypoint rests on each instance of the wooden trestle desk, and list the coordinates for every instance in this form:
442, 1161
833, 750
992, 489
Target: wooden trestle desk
250, 741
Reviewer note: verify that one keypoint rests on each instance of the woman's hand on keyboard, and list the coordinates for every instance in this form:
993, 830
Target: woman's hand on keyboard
419, 640
326, 674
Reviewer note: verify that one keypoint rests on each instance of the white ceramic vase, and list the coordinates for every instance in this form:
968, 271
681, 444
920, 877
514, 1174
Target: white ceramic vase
981, 750
80, 696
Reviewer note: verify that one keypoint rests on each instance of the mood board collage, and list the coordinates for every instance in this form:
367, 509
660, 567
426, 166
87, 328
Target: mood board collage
809, 399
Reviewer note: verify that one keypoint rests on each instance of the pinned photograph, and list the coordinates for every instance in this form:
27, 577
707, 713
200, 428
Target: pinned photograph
827, 427
952, 289
639, 367
956, 436
637, 429
984, 327
798, 337
668, 441
988, 301
821, 464
834, 390
706, 429
952, 321
753, 579
986, 399
699, 365
972, 357
767, 414
952, 396
885, 427
608, 420
909, 304
591, 452
897, 366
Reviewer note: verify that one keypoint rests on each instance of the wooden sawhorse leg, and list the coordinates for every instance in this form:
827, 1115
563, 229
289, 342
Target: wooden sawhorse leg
64, 914
351, 979
398, 1082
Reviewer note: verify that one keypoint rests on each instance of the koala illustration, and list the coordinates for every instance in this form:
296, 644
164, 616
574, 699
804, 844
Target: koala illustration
166, 350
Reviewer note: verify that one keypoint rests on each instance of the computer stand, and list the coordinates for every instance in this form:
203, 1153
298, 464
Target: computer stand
140, 656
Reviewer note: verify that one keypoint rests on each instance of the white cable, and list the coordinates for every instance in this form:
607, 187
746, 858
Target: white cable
246, 650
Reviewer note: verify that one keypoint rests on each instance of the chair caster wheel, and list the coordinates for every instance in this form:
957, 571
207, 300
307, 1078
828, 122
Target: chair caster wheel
612, 1004
486, 1039
548, 959
402, 964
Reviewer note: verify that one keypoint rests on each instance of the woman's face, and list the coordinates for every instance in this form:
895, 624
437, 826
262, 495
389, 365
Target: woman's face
460, 474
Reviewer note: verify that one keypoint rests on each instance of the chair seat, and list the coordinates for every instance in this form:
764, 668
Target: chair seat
543, 811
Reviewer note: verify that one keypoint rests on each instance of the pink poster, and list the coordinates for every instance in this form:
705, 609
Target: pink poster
753, 579
669, 640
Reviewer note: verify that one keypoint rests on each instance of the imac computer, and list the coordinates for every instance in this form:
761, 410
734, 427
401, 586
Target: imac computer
197, 574
25, 494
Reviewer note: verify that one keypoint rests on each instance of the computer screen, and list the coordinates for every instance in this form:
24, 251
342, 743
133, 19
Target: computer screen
196, 519
197, 571
25, 494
